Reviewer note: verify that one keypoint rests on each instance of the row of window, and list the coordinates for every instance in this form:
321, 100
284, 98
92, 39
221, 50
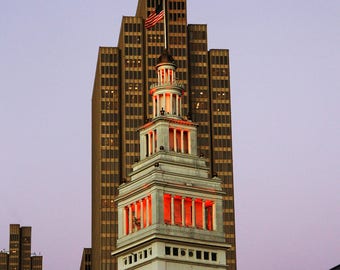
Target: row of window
133, 51
179, 140
181, 76
189, 212
191, 253
133, 86
200, 93
198, 46
220, 94
107, 203
132, 39
109, 81
177, 28
219, 71
109, 166
176, 16
109, 58
132, 27
179, 52
176, 40
220, 83
14, 237
225, 155
221, 107
220, 60
133, 63
109, 141
108, 228
155, 50
107, 105
199, 58
222, 118
108, 93
109, 191
108, 215
176, 5
199, 82
109, 153
109, 69
129, 74
109, 117
138, 215
108, 178
134, 257
222, 143
155, 38
198, 35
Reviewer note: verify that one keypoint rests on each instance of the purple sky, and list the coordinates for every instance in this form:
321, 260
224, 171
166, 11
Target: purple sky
285, 102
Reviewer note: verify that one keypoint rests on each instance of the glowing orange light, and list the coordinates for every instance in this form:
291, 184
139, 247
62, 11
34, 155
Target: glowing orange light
167, 209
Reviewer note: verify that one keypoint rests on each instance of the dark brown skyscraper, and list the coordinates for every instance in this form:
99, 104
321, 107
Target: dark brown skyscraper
19, 256
121, 104
86, 260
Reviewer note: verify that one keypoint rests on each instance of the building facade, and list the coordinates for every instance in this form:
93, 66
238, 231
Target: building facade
86, 259
168, 211
19, 256
121, 104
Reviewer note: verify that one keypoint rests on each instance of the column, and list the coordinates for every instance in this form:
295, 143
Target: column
154, 108
125, 231
175, 144
193, 213
182, 141
150, 145
164, 102
214, 216
203, 215
183, 212
141, 214
171, 108
147, 212
180, 107
153, 142
189, 142
172, 210
130, 219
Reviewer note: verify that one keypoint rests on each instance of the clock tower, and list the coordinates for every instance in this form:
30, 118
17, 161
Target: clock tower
170, 210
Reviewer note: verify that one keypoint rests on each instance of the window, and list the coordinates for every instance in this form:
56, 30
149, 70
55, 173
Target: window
198, 212
138, 215
167, 209
178, 210
209, 215
198, 254
188, 211
181, 211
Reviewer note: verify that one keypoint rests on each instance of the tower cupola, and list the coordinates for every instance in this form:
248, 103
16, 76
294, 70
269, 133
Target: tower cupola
167, 92
168, 130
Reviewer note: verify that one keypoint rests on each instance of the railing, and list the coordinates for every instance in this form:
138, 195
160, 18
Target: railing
175, 83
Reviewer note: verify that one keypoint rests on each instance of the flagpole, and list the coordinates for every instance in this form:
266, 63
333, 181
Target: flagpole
165, 30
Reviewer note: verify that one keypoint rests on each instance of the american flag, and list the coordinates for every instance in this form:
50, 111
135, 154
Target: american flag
154, 17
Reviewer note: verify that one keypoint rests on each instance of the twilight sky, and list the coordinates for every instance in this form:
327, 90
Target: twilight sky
284, 58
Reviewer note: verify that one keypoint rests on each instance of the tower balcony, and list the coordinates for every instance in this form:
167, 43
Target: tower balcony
160, 85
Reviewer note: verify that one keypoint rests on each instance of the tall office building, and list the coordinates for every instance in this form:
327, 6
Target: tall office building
121, 104
86, 259
19, 256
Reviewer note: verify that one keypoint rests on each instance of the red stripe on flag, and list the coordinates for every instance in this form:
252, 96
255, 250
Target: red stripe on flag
153, 19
